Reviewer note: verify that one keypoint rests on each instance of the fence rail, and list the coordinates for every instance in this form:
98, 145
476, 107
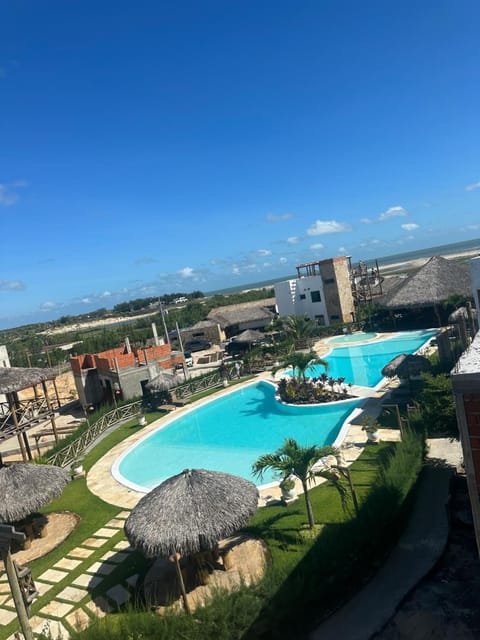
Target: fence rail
77, 448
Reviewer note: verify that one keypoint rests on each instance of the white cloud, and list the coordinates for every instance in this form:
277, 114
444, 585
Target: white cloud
263, 252
86, 300
8, 194
392, 212
473, 227
236, 270
322, 227
366, 220
410, 226
106, 294
317, 245
293, 240
11, 285
272, 217
187, 272
267, 264
283, 260
342, 250
46, 306
473, 186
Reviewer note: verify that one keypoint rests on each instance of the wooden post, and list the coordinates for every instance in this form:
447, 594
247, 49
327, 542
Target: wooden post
13, 409
50, 411
8, 533
182, 584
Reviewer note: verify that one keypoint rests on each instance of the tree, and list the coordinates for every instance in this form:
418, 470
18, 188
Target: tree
435, 407
299, 329
293, 458
300, 362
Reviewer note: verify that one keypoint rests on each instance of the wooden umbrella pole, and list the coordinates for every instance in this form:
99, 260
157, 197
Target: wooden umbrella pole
182, 584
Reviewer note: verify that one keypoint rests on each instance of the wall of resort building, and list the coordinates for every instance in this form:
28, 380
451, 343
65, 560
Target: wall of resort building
466, 389
119, 373
4, 362
475, 278
322, 291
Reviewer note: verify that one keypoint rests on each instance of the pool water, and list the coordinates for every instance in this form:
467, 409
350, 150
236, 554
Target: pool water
229, 434
362, 364
352, 337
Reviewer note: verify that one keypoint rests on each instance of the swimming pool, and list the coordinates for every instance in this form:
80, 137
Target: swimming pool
228, 434
362, 364
353, 337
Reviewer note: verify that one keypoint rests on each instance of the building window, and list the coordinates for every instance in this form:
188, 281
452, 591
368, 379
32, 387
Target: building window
334, 317
321, 320
315, 295
302, 296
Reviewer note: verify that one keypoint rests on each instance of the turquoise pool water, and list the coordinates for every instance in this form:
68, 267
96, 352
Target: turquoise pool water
362, 364
229, 434
352, 337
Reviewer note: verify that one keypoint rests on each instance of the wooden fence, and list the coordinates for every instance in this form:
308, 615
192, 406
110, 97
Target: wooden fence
76, 449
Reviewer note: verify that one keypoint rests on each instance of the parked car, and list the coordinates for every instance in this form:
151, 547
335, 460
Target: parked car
188, 361
197, 345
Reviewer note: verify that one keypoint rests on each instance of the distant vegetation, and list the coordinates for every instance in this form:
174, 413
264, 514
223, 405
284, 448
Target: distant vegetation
27, 345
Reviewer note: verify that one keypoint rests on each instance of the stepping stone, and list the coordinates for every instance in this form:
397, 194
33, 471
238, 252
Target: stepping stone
90, 582
103, 568
80, 552
105, 532
132, 580
42, 587
123, 514
53, 575
72, 594
9, 603
99, 607
56, 609
78, 619
116, 523
95, 542
123, 545
51, 628
7, 616
118, 594
115, 556
67, 563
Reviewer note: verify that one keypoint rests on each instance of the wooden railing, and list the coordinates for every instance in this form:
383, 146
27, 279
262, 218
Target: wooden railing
209, 381
77, 448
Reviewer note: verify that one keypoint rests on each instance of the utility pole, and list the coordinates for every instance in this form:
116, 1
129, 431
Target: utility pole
162, 313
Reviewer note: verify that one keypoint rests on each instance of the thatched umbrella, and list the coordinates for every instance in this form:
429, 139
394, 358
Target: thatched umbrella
249, 336
164, 381
406, 365
190, 512
24, 488
18, 378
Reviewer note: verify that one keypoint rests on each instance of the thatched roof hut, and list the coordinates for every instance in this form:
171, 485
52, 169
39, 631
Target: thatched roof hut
191, 512
25, 488
255, 314
432, 284
406, 366
18, 378
164, 381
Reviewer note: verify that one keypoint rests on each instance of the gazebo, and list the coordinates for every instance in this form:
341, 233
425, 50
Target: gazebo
18, 416
430, 286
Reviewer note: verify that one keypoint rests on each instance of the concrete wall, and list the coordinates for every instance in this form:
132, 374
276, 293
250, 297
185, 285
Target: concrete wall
466, 389
475, 279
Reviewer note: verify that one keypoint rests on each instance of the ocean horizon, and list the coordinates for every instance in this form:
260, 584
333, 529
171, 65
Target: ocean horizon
427, 252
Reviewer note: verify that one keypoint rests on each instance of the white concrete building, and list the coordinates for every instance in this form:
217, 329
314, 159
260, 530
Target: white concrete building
475, 278
322, 291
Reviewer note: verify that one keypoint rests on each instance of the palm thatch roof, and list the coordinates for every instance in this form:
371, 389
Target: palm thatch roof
406, 365
432, 284
164, 380
190, 512
18, 378
249, 335
246, 312
25, 488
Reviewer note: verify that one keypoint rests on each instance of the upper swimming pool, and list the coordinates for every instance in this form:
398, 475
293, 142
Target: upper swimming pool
352, 337
228, 434
362, 364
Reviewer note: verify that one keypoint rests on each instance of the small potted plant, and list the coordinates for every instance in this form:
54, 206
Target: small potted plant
142, 421
287, 487
77, 467
370, 426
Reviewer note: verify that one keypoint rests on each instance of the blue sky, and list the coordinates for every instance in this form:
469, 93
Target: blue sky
150, 147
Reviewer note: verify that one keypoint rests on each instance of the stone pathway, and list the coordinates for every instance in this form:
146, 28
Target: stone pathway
73, 605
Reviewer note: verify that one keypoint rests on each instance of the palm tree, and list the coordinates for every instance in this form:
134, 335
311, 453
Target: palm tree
299, 328
300, 362
293, 458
